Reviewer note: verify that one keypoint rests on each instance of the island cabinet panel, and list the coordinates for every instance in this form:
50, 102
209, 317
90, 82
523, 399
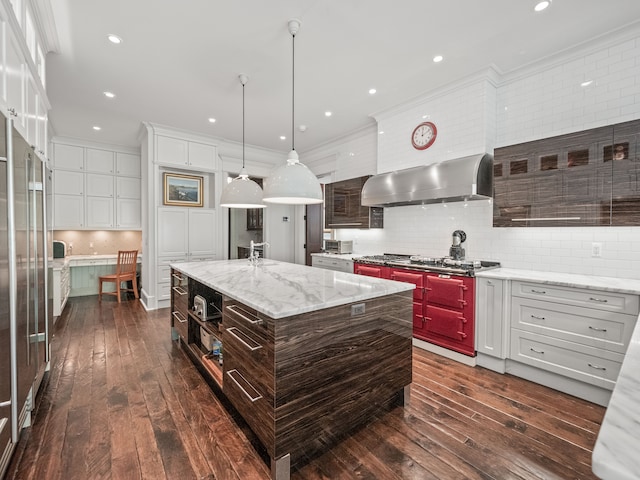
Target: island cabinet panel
335, 370
301, 382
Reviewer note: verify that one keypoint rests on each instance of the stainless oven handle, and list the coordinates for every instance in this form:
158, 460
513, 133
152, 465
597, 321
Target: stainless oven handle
234, 371
231, 331
5, 404
235, 308
179, 316
179, 290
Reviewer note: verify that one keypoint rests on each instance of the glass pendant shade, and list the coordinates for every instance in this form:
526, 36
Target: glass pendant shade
242, 192
292, 183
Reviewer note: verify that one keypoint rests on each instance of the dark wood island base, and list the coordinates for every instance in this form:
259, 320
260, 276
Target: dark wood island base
305, 381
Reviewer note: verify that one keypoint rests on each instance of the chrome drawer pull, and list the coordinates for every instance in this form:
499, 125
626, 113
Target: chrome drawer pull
542, 292
596, 329
597, 367
536, 351
231, 331
235, 309
230, 373
177, 277
179, 290
538, 318
601, 300
5, 404
179, 316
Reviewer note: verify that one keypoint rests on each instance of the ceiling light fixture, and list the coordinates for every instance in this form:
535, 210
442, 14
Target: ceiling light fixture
438, 59
327, 114
292, 183
213, 120
282, 137
586, 83
97, 128
114, 38
540, 6
109, 94
372, 91
242, 192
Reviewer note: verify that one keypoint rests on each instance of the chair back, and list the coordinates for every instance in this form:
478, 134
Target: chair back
127, 262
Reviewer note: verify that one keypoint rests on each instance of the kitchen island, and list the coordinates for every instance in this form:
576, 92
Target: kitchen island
309, 354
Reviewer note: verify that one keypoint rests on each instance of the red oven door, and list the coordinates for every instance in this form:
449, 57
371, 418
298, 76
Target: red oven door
447, 291
417, 278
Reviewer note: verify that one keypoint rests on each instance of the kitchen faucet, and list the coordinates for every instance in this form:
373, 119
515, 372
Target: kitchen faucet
255, 254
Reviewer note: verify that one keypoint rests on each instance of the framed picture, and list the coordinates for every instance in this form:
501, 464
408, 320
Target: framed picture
182, 190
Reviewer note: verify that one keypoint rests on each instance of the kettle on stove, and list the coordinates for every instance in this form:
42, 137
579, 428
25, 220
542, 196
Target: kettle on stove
456, 252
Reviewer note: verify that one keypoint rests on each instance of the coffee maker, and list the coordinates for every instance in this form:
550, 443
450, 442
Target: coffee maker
456, 252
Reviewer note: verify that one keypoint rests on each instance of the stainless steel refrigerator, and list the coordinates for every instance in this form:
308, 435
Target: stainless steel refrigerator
25, 312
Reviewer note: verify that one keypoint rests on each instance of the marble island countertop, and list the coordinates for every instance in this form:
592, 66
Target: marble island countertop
280, 289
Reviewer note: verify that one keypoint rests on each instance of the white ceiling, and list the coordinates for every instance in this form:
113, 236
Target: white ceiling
179, 61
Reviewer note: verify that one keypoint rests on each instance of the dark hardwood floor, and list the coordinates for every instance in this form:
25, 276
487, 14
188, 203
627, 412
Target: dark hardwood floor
123, 401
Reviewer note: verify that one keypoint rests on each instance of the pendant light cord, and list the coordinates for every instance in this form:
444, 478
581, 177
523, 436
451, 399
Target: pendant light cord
293, 93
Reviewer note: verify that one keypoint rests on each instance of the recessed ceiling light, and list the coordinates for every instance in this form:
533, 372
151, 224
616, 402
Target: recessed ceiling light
540, 6
282, 137
327, 114
438, 59
380, 132
372, 91
109, 94
96, 128
212, 120
586, 83
114, 38
424, 117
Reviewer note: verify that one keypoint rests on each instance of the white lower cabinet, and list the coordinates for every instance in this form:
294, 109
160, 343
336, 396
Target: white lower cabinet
568, 338
491, 331
61, 288
337, 264
183, 235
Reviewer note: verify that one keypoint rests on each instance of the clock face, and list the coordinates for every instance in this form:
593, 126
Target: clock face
424, 135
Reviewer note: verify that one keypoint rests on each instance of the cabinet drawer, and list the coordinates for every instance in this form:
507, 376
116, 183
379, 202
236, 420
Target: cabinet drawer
595, 328
180, 322
180, 299
247, 320
581, 297
337, 264
256, 359
253, 404
587, 364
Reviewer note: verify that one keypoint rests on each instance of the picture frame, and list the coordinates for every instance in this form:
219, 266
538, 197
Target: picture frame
182, 190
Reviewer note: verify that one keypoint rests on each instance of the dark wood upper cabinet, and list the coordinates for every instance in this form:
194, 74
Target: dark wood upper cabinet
588, 178
343, 208
254, 218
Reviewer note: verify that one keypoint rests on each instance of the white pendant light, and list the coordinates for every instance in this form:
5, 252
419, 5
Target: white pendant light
242, 192
292, 183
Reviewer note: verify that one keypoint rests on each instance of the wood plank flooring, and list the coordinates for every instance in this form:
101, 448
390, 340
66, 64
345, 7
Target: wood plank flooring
122, 401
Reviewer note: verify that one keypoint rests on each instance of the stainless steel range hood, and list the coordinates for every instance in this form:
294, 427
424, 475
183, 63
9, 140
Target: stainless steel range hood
461, 179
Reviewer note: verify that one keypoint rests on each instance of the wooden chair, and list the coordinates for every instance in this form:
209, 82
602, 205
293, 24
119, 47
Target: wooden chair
125, 271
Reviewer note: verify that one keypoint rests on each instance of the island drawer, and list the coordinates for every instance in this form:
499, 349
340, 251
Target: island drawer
180, 297
180, 323
258, 364
596, 328
251, 400
581, 297
238, 315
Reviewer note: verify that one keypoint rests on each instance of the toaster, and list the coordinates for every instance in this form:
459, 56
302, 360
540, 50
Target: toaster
200, 307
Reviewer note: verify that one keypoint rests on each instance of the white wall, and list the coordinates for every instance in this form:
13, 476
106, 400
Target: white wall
543, 101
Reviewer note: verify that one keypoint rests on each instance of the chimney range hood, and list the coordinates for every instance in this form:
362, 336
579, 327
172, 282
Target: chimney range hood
460, 179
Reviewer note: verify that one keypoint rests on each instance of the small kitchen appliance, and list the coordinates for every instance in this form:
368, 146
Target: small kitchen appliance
338, 246
200, 307
456, 252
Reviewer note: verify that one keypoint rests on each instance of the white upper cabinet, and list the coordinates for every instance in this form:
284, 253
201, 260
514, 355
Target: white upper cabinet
14, 78
185, 154
99, 185
99, 161
201, 156
127, 164
68, 183
127, 187
68, 157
